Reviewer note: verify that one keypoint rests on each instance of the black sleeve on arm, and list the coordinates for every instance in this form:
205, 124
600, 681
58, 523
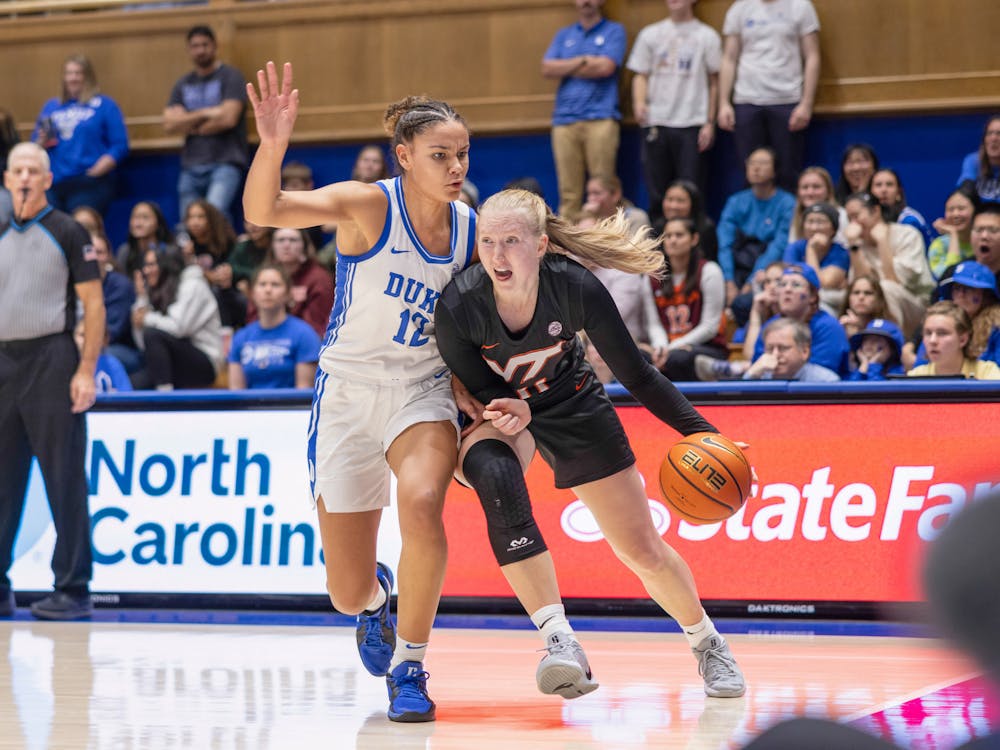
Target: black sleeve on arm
463, 358
603, 324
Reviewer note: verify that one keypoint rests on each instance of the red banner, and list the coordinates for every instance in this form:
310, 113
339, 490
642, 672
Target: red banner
848, 496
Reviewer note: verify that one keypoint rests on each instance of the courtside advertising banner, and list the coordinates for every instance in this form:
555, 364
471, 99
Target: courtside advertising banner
847, 497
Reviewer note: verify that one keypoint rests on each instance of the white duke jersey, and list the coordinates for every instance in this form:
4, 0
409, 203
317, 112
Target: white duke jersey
382, 324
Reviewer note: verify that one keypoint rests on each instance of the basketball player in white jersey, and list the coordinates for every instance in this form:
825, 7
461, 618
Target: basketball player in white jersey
383, 399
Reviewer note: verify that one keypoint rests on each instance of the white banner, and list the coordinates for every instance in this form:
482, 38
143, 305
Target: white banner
193, 502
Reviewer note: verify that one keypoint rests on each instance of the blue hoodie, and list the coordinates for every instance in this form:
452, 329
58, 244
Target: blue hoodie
81, 133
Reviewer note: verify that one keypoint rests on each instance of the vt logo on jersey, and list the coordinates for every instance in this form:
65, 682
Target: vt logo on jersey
533, 362
412, 292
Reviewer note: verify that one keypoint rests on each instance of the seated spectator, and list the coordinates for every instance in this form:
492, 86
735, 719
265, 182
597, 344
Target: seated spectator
90, 220
819, 251
888, 191
858, 165
211, 242
109, 374
691, 302
877, 350
947, 334
119, 297
764, 307
84, 133
865, 302
982, 167
147, 230
753, 230
683, 200
895, 254
954, 241
985, 236
798, 299
786, 356
278, 350
296, 175
312, 285
248, 254
604, 197
973, 287
176, 322
815, 186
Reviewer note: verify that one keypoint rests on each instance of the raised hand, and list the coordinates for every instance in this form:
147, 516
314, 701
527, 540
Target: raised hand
277, 106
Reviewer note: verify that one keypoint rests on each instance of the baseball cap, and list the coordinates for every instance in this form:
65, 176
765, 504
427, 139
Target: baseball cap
828, 210
880, 327
972, 274
805, 271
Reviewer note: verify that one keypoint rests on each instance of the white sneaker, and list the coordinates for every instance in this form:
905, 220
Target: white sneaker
723, 678
564, 670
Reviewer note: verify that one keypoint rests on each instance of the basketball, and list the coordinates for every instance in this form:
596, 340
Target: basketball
705, 478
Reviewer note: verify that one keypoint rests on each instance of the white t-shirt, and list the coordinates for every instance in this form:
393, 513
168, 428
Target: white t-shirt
677, 58
770, 65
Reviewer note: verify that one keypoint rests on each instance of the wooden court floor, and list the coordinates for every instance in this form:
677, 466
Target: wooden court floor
122, 685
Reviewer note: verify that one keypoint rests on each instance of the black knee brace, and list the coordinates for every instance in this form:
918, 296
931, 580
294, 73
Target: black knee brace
494, 472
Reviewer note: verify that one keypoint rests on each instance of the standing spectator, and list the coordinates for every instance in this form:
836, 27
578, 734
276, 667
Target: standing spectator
176, 320
877, 349
787, 355
753, 229
888, 190
8, 139
947, 333
816, 186
691, 302
982, 167
865, 302
770, 68
84, 133
858, 165
894, 253
675, 94
954, 243
312, 285
683, 200
46, 385
278, 350
585, 57
207, 107
818, 249
147, 230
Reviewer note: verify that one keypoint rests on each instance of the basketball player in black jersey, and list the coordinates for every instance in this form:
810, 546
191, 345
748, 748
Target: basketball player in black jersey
507, 329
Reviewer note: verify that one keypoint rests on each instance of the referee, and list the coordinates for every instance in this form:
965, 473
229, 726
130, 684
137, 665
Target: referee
46, 262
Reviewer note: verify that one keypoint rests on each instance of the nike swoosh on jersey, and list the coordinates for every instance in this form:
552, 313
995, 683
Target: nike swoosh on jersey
397, 251
585, 379
490, 346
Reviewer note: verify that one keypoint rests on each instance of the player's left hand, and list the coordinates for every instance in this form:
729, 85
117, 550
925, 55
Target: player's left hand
82, 391
508, 415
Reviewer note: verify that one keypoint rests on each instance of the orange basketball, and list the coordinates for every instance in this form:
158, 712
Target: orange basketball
705, 478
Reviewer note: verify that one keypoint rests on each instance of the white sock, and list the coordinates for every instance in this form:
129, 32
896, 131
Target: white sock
377, 601
407, 651
698, 632
551, 619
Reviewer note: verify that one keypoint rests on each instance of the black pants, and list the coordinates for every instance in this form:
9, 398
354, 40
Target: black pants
36, 419
680, 363
768, 126
670, 154
173, 361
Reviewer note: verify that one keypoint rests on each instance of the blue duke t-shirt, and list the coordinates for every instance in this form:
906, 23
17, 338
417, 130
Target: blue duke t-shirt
269, 355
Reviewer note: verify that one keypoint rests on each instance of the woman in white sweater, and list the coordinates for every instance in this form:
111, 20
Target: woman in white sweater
176, 321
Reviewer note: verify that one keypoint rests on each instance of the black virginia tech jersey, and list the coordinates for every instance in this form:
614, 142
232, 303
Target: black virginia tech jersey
544, 364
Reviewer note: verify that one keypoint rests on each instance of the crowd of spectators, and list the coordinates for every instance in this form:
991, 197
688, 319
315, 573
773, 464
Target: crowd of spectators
801, 277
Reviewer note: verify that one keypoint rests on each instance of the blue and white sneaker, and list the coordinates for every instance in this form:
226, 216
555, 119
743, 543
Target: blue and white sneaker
408, 699
376, 632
